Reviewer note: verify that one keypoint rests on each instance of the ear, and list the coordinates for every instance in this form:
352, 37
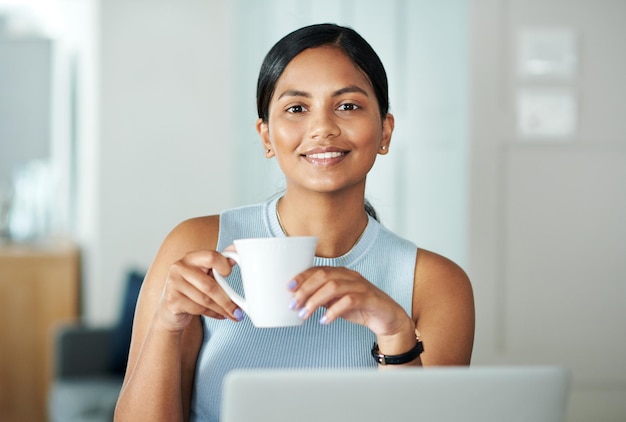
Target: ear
388, 125
264, 132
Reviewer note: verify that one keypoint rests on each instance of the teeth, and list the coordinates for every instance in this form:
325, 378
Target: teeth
326, 155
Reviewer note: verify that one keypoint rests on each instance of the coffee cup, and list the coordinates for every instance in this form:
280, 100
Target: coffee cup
267, 265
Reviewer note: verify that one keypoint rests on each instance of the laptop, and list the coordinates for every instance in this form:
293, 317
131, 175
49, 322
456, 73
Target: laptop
442, 394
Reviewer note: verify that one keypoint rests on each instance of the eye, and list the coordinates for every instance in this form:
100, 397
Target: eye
348, 107
295, 109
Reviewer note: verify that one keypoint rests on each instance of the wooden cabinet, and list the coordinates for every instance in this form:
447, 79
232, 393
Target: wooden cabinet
39, 288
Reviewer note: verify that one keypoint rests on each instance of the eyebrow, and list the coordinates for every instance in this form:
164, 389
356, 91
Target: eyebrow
346, 90
350, 89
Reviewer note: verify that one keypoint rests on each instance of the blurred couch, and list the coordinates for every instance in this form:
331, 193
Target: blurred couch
90, 364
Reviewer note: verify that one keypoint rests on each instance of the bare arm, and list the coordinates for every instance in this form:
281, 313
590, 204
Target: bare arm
167, 332
443, 309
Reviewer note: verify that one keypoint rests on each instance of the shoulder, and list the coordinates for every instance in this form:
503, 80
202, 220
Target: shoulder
191, 235
194, 234
430, 265
441, 283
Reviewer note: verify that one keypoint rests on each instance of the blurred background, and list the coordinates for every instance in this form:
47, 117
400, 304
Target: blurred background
119, 119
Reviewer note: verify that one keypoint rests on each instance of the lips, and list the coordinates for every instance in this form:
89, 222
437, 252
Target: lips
324, 157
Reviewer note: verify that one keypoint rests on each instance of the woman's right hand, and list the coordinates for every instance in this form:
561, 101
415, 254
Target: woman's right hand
191, 290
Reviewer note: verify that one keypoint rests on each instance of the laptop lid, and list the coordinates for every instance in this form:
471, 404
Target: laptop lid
442, 394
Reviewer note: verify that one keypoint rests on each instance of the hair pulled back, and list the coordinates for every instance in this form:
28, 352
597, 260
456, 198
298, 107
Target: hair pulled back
327, 34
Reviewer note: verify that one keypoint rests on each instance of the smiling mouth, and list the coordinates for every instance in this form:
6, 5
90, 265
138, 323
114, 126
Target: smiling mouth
325, 155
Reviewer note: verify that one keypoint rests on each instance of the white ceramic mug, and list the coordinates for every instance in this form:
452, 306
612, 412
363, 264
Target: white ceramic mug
267, 265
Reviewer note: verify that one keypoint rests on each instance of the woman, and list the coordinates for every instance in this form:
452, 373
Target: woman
323, 114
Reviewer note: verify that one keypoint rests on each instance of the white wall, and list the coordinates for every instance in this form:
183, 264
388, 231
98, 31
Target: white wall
547, 215
165, 145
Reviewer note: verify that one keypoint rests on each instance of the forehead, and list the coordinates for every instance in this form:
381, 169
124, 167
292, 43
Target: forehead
320, 67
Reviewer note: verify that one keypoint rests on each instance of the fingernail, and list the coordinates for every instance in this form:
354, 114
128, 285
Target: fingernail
292, 284
238, 314
293, 304
302, 313
324, 320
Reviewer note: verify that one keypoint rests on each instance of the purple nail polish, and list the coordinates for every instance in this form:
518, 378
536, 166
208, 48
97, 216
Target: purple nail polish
302, 313
324, 320
238, 314
292, 284
293, 304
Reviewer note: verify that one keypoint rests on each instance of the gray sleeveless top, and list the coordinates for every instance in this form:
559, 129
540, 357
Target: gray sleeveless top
382, 257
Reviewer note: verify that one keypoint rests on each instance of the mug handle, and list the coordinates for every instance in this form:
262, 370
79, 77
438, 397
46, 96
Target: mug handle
240, 301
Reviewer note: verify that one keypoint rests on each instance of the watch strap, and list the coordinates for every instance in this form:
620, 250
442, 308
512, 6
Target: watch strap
398, 359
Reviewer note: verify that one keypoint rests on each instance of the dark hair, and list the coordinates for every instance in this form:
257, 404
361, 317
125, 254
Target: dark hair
327, 34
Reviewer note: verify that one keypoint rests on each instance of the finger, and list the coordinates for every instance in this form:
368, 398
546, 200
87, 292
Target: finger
312, 279
230, 248
297, 282
213, 315
202, 289
319, 287
206, 296
207, 260
304, 284
181, 297
176, 309
331, 290
339, 308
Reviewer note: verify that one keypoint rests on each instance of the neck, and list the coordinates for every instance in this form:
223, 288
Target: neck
338, 221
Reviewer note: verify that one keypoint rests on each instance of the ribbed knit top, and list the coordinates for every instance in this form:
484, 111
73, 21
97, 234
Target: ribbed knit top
380, 256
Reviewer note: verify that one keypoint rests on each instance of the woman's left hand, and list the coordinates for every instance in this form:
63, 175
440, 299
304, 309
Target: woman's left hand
346, 294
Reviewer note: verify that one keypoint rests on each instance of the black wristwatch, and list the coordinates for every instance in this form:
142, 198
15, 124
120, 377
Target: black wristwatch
398, 359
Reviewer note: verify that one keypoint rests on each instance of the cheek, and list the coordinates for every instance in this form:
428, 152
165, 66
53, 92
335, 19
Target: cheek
285, 133
366, 132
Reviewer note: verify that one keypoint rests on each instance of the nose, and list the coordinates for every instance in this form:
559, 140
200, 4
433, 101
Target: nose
323, 125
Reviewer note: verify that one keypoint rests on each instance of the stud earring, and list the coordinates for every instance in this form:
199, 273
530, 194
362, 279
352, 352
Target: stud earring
267, 151
384, 148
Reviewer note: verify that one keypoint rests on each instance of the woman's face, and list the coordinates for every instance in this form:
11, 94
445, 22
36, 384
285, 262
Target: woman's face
324, 125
